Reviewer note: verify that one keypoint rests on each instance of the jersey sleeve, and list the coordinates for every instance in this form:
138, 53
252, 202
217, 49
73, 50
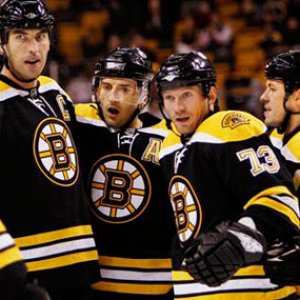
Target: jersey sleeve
261, 184
12, 267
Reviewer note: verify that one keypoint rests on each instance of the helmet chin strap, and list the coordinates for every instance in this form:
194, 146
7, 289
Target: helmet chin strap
284, 123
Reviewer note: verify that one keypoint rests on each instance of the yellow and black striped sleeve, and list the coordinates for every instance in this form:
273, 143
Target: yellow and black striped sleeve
12, 268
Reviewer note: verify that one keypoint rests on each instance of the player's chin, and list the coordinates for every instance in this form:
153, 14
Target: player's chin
114, 123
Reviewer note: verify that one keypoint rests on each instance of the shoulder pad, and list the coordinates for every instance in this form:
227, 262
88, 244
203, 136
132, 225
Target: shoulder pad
2, 227
161, 125
274, 133
48, 84
170, 144
45, 80
88, 110
88, 113
160, 129
293, 145
276, 138
229, 126
291, 149
4, 86
6, 91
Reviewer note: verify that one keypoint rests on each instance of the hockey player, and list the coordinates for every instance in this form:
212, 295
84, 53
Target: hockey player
230, 195
42, 195
281, 100
131, 213
282, 108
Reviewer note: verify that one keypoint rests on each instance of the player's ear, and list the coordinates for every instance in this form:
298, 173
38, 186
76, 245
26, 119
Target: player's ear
143, 102
297, 94
297, 99
212, 98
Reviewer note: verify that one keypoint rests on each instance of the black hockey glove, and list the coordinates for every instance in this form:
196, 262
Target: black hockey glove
283, 263
215, 256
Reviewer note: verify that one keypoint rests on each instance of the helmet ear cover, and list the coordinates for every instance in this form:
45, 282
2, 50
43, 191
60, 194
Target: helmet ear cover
25, 14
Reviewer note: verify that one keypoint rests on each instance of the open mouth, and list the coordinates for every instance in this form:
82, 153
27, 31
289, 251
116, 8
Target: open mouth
182, 120
113, 110
32, 62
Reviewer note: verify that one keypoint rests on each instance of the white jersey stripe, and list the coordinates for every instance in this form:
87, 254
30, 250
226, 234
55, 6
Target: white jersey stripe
11, 92
201, 137
290, 202
277, 142
91, 121
231, 285
169, 150
58, 248
160, 132
6, 241
288, 155
136, 275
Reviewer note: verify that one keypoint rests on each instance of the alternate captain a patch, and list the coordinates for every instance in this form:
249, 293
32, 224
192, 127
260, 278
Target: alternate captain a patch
120, 188
235, 119
55, 152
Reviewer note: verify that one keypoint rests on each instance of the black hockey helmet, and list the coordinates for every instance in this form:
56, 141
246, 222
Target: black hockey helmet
24, 14
285, 67
130, 63
185, 70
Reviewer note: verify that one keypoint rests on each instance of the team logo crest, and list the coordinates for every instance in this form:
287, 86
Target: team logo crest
120, 188
55, 153
233, 120
186, 207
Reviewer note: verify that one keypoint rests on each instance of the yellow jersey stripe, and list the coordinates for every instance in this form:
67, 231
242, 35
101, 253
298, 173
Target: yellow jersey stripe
55, 235
10, 256
280, 208
87, 110
275, 190
255, 270
9, 253
135, 263
238, 288
129, 288
262, 198
249, 295
62, 261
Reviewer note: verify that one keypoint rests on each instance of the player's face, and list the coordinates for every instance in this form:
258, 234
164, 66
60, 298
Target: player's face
27, 51
186, 107
273, 99
118, 99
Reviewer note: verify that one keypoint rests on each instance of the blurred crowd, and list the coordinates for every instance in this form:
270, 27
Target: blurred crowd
238, 36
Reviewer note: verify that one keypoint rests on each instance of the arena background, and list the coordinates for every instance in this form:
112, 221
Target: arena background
238, 36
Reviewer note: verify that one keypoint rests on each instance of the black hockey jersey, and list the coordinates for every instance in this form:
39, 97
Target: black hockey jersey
227, 170
131, 213
288, 145
42, 195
